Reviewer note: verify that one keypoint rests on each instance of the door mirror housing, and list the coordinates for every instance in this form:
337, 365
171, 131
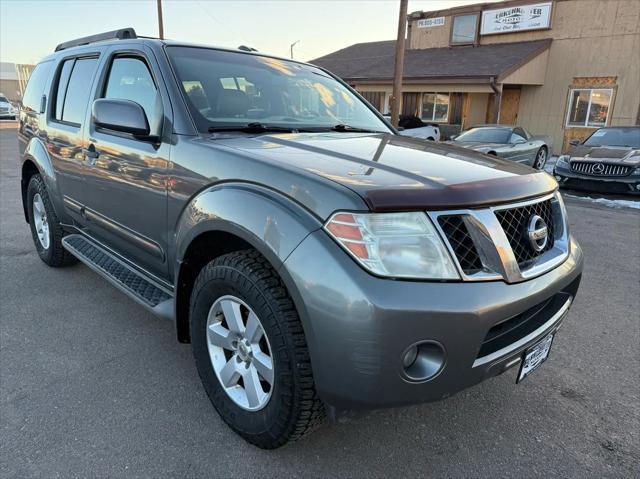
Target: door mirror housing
124, 116
518, 141
574, 142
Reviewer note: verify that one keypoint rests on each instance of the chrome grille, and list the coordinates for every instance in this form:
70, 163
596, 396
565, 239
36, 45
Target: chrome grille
465, 250
514, 223
493, 243
599, 169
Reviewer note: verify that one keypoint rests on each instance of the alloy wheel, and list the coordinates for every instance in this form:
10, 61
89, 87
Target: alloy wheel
240, 353
41, 221
541, 158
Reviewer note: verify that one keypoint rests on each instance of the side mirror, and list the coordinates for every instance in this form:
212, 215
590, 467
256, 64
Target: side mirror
574, 142
519, 142
400, 128
125, 116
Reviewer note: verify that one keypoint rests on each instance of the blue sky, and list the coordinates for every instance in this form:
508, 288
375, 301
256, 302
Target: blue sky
30, 29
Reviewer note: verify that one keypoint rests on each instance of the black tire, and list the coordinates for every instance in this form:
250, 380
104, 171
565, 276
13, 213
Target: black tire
546, 158
55, 255
294, 408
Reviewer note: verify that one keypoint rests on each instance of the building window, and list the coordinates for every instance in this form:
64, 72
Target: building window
589, 107
465, 29
435, 107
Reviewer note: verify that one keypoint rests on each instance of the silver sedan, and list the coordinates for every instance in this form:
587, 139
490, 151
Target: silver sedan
506, 141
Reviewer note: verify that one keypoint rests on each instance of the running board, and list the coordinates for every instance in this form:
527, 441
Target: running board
131, 282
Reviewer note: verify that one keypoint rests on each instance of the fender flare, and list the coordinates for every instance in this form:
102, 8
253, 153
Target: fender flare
271, 222
36, 153
265, 219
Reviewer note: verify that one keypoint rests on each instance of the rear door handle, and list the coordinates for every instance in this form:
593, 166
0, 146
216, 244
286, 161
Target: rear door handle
91, 154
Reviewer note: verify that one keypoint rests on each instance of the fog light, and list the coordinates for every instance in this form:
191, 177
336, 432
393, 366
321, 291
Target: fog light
423, 361
558, 178
638, 187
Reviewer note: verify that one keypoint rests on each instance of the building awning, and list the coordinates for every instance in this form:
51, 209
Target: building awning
374, 62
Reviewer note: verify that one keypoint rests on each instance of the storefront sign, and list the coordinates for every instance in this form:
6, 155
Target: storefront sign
516, 19
431, 22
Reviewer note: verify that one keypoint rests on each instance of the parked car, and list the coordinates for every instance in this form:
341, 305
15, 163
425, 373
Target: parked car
607, 161
511, 142
315, 260
413, 126
7, 110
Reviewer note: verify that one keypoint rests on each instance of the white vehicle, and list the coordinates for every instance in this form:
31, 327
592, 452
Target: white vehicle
415, 127
7, 110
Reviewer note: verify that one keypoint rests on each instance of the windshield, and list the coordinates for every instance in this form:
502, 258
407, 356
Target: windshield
615, 137
227, 89
3, 100
485, 135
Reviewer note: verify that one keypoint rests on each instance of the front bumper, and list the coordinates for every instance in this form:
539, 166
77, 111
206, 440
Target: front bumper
621, 185
358, 326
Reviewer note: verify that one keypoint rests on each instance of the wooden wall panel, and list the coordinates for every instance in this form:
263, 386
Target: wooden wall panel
411, 103
509, 105
376, 98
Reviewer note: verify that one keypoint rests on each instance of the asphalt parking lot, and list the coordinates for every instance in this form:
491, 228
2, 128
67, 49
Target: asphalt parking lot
94, 386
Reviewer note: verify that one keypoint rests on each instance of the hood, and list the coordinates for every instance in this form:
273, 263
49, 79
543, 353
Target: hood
610, 154
392, 172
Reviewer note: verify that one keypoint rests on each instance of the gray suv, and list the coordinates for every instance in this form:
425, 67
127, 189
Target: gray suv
316, 261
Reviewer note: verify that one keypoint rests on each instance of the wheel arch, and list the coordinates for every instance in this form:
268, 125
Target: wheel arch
36, 160
232, 217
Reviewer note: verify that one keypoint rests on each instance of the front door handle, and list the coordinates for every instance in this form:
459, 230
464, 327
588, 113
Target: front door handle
91, 154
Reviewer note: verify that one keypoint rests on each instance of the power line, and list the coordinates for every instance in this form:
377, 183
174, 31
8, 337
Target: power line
224, 25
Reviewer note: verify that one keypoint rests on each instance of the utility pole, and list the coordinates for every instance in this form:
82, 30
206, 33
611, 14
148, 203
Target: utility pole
397, 76
293, 45
160, 26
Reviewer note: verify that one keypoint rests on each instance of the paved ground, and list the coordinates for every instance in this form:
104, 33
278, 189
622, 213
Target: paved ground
94, 386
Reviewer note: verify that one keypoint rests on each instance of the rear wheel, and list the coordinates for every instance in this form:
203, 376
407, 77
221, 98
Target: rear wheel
46, 230
251, 352
541, 158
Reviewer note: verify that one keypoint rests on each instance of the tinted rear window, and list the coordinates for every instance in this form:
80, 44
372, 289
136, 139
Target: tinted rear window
35, 88
78, 90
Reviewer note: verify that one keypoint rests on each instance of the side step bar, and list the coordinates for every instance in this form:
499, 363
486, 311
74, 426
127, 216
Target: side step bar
131, 282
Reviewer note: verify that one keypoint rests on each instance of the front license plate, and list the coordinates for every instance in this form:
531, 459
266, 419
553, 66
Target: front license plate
534, 357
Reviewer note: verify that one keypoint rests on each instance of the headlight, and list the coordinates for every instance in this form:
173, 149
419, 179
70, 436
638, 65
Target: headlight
563, 160
399, 245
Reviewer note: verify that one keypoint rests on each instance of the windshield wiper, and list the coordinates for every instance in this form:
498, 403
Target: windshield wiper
352, 129
255, 127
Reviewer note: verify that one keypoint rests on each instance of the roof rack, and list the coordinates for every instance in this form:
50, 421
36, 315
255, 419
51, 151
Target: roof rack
121, 34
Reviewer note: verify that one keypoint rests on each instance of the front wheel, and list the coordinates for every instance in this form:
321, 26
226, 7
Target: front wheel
46, 229
250, 351
540, 159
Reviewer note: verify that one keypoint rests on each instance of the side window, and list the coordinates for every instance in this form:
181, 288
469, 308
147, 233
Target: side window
130, 79
35, 87
520, 132
61, 90
516, 138
74, 87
